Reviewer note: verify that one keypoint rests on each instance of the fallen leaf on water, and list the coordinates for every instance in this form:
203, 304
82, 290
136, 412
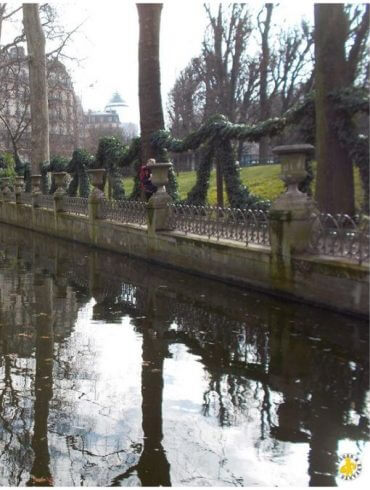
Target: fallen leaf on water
42, 479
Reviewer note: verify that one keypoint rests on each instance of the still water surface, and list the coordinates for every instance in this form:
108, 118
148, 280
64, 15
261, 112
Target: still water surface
114, 372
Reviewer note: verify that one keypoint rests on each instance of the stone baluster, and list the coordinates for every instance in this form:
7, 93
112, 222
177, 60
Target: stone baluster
6, 191
290, 213
36, 191
158, 210
59, 194
18, 188
97, 194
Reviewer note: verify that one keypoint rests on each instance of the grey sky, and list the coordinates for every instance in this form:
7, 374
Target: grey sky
107, 45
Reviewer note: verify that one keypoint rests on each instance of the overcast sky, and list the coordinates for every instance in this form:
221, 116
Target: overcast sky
108, 43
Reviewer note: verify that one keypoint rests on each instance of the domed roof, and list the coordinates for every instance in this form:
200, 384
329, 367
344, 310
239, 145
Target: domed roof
117, 100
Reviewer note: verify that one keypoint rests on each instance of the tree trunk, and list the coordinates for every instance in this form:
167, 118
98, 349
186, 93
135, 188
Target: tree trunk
38, 86
265, 59
150, 101
334, 183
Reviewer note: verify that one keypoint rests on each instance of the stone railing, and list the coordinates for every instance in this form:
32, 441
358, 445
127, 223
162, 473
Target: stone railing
25, 198
124, 211
45, 201
291, 226
340, 236
76, 205
241, 225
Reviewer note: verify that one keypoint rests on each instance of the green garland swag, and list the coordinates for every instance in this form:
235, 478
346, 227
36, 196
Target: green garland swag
80, 162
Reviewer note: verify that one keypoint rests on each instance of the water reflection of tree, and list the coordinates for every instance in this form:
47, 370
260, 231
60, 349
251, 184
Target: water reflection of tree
44, 310
256, 359
15, 455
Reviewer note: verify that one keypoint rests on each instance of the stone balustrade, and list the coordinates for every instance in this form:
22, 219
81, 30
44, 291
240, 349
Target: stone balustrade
282, 249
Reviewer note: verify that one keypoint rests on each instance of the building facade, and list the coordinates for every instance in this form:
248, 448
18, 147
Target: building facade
67, 125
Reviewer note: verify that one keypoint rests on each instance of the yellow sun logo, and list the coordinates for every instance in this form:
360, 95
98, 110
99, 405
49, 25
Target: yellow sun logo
349, 466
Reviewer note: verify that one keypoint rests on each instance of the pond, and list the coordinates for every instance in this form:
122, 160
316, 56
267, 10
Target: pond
117, 372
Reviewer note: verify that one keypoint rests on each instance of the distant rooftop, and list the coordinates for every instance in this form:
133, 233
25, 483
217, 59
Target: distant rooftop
116, 100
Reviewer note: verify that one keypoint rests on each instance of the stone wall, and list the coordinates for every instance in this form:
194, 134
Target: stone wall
338, 284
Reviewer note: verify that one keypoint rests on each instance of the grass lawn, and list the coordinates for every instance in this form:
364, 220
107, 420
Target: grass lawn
262, 180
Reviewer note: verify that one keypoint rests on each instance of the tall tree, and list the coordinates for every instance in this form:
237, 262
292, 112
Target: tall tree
150, 101
38, 86
264, 28
336, 66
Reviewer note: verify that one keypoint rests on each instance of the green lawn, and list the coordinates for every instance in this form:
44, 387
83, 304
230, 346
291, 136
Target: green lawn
263, 181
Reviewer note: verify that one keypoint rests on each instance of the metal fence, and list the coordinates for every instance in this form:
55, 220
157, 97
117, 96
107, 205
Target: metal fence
76, 205
340, 235
26, 198
45, 201
124, 211
242, 225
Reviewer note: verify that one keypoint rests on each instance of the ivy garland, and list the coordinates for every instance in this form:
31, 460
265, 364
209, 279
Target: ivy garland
80, 162
109, 153
214, 138
198, 194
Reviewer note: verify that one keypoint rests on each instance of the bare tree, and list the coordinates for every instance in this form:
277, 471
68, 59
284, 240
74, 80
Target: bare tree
14, 103
264, 29
150, 101
38, 86
65, 112
336, 66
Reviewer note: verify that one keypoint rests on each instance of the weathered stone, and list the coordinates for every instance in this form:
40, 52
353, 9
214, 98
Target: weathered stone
158, 204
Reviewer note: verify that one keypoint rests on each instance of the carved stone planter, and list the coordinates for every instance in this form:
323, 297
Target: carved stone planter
19, 184
289, 216
18, 188
96, 196
36, 183
96, 177
60, 182
158, 210
293, 172
6, 191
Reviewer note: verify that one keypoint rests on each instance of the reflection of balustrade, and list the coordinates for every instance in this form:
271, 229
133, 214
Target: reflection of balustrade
340, 236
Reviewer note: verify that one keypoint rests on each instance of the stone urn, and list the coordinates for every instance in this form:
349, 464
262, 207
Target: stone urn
36, 183
19, 184
158, 204
96, 177
293, 172
60, 182
159, 176
289, 215
6, 191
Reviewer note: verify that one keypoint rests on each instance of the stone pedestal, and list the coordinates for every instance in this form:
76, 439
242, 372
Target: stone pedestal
36, 191
60, 181
290, 212
289, 216
18, 188
6, 191
158, 210
96, 177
